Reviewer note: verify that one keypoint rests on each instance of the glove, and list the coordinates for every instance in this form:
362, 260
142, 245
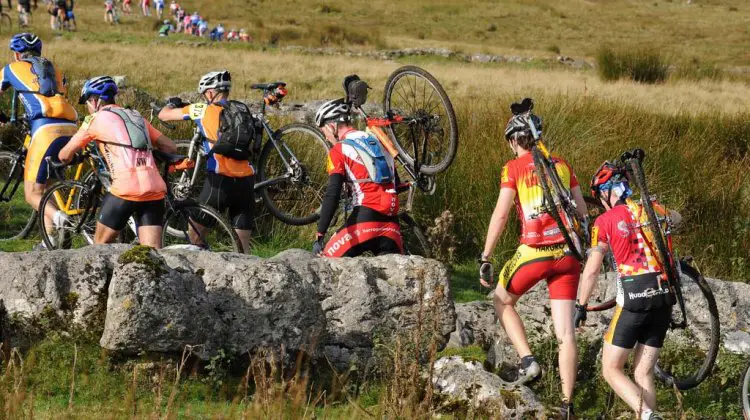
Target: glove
580, 317
485, 270
317, 247
175, 102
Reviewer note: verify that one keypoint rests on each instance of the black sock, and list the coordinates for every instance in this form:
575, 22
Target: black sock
527, 360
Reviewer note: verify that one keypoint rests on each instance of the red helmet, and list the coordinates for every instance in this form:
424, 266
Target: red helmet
607, 173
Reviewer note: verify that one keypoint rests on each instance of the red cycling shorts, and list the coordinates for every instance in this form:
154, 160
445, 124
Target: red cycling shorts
376, 237
530, 265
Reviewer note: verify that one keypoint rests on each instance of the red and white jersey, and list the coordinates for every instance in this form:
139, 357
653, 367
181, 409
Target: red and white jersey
344, 159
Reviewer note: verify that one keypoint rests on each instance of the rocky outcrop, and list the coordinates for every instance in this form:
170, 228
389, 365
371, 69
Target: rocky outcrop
467, 385
476, 323
334, 309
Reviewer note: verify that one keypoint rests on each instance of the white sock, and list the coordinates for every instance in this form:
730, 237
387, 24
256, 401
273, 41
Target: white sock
59, 218
645, 414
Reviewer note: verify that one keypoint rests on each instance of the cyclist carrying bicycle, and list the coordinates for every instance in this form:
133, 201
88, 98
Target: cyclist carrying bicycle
358, 159
644, 301
126, 141
230, 178
542, 254
52, 120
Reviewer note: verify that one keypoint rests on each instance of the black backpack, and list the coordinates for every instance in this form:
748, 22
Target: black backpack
236, 131
46, 75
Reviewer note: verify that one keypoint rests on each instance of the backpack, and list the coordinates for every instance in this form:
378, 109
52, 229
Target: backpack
373, 157
236, 131
46, 75
136, 127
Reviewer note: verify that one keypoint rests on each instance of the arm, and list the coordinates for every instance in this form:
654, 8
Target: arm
172, 114
499, 219
580, 202
79, 140
159, 140
330, 202
591, 273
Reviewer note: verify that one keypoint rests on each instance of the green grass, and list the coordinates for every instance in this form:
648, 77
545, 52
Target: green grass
465, 285
473, 353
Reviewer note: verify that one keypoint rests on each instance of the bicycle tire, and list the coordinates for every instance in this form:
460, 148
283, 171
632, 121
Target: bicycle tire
69, 237
413, 238
551, 207
745, 393
709, 329
17, 218
293, 201
182, 216
390, 104
7, 22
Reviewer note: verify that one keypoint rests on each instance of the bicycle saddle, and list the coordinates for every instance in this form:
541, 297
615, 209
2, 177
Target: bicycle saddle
526, 105
638, 154
267, 86
170, 158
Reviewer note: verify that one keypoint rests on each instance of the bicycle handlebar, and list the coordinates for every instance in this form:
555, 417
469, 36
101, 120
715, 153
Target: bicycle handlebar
157, 109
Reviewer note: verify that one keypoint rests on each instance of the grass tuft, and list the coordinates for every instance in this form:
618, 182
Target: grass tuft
642, 66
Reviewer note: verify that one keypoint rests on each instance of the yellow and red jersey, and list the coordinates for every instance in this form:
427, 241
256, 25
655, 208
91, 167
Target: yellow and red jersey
207, 118
537, 227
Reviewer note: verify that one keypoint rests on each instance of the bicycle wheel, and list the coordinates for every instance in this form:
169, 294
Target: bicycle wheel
295, 174
414, 239
189, 223
558, 206
81, 204
414, 93
17, 218
6, 21
689, 353
745, 393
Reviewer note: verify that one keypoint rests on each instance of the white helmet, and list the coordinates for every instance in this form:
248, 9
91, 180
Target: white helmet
219, 80
336, 109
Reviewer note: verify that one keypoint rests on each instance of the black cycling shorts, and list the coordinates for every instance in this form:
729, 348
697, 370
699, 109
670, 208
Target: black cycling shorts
25, 5
235, 194
628, 328
116, 211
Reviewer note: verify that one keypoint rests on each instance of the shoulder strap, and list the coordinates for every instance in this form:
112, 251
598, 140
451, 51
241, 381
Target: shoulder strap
139, 138
367, 158
46, 75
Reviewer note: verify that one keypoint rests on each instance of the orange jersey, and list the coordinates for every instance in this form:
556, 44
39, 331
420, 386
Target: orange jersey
207, 118
537, 227
20, 76
135, 175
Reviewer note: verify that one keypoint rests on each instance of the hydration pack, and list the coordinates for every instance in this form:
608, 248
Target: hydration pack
44, 70
373, 157
136, 127
236, 131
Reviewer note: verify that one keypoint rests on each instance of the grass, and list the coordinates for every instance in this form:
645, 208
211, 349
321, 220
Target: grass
641, 66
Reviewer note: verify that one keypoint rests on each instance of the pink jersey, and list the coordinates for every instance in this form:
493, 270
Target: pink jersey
135, 175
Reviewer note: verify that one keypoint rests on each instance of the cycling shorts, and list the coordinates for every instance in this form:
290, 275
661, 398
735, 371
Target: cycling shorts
628, 328
46, 141
366, 230
234, 194
116, 211
530, 265
25, 6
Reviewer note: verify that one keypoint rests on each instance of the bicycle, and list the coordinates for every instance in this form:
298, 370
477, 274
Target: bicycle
421, 126
6, 21
694, 330
291, 174
185, 221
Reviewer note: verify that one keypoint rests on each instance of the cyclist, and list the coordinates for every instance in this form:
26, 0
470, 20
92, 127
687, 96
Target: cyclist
159, 8
166, 28
24, 11
58, 10
643, 309
109, 11
125, 139
542, 254
358, 159
127, 7
52, 119
230, 178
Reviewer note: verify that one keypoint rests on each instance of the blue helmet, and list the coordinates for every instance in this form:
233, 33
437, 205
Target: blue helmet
24, 42
102, 86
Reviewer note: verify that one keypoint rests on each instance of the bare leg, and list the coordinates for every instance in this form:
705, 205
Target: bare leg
562, 318
506, 313
150, 236
613, 364
33, 193
105, 234
644, 362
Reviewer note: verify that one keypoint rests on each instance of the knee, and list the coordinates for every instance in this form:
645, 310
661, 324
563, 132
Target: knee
501, 298
609, 372
643, 374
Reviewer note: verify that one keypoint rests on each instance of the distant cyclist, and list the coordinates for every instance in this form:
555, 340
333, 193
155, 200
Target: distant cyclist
644, 305
70, 17
109, 11
358, 160
542, 255
159, 8
127, 6
24, 11
227, 128
126, 141
41, 87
